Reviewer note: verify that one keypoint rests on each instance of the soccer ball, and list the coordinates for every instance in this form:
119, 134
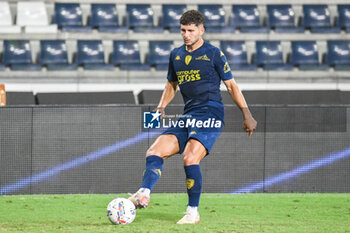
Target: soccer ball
121, 211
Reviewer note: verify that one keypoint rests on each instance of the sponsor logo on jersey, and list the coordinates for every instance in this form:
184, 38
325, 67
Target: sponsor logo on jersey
193, 132
204, 57
187, 76
177, 58
188, 59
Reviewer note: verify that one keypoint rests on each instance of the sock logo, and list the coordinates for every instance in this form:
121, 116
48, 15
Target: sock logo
159, 171
189, 183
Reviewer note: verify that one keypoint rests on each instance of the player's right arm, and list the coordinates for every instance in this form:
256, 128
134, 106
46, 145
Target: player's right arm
170, 87
167, 96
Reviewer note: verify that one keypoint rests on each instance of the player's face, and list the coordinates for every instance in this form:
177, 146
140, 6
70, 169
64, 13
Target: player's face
191, 33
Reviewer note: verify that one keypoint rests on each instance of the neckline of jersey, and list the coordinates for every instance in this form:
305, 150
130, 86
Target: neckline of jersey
196, 49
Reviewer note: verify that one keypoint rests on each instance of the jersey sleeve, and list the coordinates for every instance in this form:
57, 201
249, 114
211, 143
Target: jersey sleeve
171, 76
222, 66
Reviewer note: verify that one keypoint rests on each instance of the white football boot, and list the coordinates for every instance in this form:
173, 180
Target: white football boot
191, 217
140, 199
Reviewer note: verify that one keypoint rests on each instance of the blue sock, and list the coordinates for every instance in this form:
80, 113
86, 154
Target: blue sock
154, 168
194, 184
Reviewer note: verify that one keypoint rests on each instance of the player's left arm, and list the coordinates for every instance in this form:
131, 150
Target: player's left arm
249, 124
224, 71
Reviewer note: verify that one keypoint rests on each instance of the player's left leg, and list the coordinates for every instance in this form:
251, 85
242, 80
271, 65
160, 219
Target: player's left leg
194, 152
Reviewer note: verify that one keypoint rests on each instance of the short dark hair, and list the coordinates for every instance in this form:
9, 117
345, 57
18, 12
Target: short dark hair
192, 17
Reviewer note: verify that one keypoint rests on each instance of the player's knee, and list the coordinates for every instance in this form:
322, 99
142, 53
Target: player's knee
190, 160
151, 151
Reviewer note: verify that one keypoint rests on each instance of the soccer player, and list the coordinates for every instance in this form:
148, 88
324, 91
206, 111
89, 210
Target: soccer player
197, 68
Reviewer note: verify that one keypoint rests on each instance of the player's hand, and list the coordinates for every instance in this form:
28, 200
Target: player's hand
161, 110
249, 125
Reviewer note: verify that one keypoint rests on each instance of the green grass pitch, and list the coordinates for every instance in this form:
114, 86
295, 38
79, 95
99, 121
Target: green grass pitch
329, 213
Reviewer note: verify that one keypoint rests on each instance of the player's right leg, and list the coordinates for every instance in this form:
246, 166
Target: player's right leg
164, 147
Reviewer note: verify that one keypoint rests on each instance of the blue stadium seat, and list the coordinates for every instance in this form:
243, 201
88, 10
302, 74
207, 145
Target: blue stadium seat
53, 55
338, 54
68, 17
281, 19
246, 18
269, 55
104, 17
159, 52
171, 17
140, 18
236, 54
305, 55
17, 54
214, 18
91, 55
344, 17
317, 19
126, 54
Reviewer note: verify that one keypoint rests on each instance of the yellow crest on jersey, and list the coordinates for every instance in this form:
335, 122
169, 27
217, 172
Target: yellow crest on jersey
188, 59
189, 183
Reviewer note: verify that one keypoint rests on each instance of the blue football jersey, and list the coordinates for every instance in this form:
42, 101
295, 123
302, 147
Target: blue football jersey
199, 74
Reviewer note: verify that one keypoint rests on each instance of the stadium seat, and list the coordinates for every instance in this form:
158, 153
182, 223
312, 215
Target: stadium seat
338, 54
236, 54
90, 54
281, 19
159, 52
2, 66
140, 18
344, 17
171, 17
126, 54
104, 17
246, 18
317, 19
17, 54
53, 55
6, 24
269, 56
33, 16
305, 55
68, 17
214, 18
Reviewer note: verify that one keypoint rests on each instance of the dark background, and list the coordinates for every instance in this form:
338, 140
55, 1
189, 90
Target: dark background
34, 139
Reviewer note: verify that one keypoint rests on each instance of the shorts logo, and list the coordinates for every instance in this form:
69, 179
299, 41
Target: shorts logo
188, 59
151, 120
189, 183
204, 57
177, 58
